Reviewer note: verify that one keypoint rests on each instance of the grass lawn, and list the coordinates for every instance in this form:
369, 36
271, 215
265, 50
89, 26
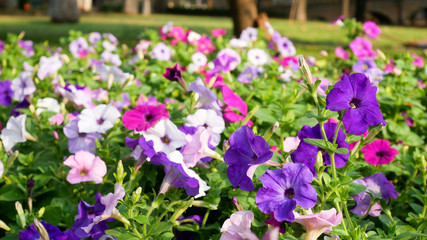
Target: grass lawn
309, 37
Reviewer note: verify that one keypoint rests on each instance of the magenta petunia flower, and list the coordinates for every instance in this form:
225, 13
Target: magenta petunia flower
218, 32
283, 189
418, 61
357, 96
378, 184
362, 48
371, 29
341, 53
85, 167
379, 152
143, 117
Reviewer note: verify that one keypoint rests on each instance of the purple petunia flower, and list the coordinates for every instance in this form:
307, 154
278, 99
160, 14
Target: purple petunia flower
79, 141
15, 110
246, 152
31, 233
378, 184
5, 93
285, 46
1, 46
306, 153
22, 86
250, 73
227, 60
27, 46
85, 218
283, 189
357, 96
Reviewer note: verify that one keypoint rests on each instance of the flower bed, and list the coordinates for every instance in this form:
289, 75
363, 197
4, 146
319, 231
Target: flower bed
197, 136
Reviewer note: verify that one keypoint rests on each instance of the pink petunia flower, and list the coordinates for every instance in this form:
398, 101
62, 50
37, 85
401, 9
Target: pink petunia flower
316, 224
290, 143
57, 119
418, 61
218, 32
142, 117
362, 48
197, 147
341, 53
204, 45
371, 29
238, 226
85, 167
379, 152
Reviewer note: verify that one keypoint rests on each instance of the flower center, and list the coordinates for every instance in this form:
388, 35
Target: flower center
83, 172
165, 139
82, 134
380, 154
100, 121
148, 117
290, 193
355, 103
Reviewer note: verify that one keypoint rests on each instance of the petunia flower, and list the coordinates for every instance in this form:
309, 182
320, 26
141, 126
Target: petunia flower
318, 223
143, 117
22, 86
227, 60
362, 48
197, 147
14, 132
258, 57
94, 37
238, 43
248, 74
47, 105
290, 143
174, 75
218, 32
378, 184
53, 233
285, 188
6, 93
246, 152
111, 74
80, 141
363, 64
48, 66
371, 29
208, 119
204, 45
207, 99
85, 167
238, 227
249, 34
79, 47
418, 61
285, 47
357, 96
379, 152
341, 53
161, 52
166, 136
113, 58
306, 153
27, 46
99, 119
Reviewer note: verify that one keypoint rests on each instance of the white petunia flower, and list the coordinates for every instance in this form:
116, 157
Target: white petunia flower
250, 34
47, 104
14, 132
258, 57
99, 119
165, 136
208, 118
22, 86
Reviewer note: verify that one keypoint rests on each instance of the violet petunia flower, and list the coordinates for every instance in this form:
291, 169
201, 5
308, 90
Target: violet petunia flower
238, 227
379, 152
22, 86
27, 46
371, 29
161, 52
285, 188
357, 96
285, 47
362, 48
378, 184
6, 93
227, 60
54, 233
246, 152
306, 153
79, 141
15, 110
114, 59
143, 117
142, 150
85, 217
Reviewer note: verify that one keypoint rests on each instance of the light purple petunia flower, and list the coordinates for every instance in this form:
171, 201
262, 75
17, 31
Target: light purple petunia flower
207, 99
22, 86
378, 184
375, 75
94, 37
250, 34
79, 141
27, 46
363, 64
114, 59
306, 153
79, 47
246, 152
258, 57
1, 46
250, 73
227, 60
285, 188
161, 52
48, 66
6, 93
355, 94
285, 47
111, 37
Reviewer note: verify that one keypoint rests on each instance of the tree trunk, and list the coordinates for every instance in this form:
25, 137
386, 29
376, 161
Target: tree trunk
64, 11
346, 8
146, 7
302, 11
131, 7
244, 13
360, 10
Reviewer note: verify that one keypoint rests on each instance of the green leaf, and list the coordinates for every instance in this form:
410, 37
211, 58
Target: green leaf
159, 228
316, 142
345, 179
52, 214
409, 235
265, 115
356, 188
141, 219
342, 151
412, 139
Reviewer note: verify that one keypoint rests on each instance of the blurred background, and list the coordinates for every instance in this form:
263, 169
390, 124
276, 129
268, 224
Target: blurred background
306, 22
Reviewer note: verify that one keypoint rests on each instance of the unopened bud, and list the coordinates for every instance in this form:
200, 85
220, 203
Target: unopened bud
136, 195
271, 130
305, 70
21, 214
41, 229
